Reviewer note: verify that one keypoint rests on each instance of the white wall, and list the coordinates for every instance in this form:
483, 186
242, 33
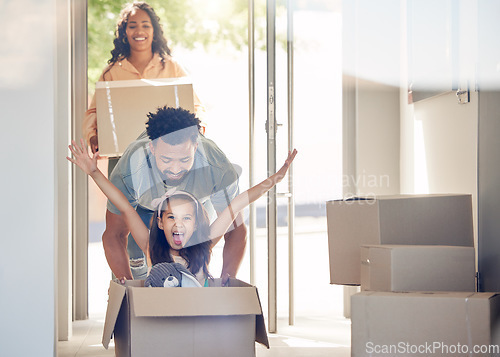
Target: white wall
488, 195
63, 182
28, 166
439, 146
439, 135
489, 145
371, 118
377, 139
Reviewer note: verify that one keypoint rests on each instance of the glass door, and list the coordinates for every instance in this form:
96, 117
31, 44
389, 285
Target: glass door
213, 41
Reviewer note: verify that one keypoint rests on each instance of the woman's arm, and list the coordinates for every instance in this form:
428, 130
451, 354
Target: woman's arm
89, 165
89, 124
224, 220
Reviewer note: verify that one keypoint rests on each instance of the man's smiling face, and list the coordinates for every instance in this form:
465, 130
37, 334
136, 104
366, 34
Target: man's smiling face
174, 161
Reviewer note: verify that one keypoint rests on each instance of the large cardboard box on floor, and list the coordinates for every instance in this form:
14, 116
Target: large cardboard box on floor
400, 219
184, 322
425, 324
417, 268
122, 108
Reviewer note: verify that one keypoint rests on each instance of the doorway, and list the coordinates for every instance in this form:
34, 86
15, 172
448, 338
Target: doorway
219, 70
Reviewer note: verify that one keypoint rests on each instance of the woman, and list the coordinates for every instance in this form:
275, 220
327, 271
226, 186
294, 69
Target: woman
140, 51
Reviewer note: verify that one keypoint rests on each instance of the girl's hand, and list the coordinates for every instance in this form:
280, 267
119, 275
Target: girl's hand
82, 159
282, 172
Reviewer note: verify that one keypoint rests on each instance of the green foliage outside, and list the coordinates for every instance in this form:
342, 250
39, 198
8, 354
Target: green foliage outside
212, 24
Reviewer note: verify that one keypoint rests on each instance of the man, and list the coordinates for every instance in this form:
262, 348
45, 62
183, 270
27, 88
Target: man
172, 155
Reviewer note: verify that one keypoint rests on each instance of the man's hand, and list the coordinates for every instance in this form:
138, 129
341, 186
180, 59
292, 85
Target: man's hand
225, 279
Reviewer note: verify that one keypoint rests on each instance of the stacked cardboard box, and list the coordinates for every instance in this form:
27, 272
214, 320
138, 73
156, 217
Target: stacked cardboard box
414, 257
425, 324
400, 219
417, 268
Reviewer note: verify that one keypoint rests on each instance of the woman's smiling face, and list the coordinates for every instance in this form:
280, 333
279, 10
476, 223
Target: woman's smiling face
140, 32
178, 222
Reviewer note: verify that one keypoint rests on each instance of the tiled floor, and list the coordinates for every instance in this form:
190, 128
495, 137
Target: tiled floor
308, 337
319, 330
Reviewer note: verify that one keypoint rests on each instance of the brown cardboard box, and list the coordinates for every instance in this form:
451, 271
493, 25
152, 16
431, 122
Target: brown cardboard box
122, 108
210, 321
400, 219
417, 268
425, 324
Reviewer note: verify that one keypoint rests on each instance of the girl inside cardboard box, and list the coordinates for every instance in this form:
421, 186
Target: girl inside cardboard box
180, 231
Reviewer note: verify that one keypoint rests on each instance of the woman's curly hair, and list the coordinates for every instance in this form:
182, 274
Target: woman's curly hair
122, 47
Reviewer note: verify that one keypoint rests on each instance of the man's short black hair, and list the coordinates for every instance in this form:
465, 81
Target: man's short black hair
168, 120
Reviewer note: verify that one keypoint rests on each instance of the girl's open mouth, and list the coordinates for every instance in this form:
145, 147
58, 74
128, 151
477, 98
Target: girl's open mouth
178, 237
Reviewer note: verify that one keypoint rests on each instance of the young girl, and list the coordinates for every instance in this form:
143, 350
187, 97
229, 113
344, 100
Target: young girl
180, 230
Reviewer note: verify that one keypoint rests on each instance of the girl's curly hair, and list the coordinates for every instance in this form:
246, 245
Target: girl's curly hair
122, 47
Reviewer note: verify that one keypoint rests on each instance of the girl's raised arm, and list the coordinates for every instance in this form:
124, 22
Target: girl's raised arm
82, 159
224, 220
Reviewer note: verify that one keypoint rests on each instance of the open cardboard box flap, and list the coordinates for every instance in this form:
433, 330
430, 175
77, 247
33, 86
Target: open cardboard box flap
116, 294
238, 298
